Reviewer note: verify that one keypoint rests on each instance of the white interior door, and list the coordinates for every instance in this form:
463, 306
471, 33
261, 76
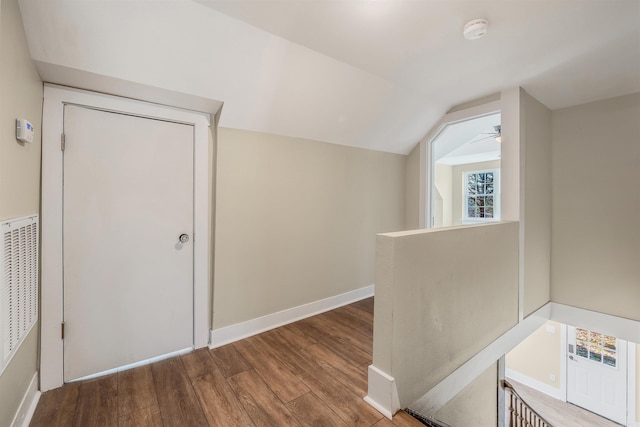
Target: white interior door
128, 280
597, 373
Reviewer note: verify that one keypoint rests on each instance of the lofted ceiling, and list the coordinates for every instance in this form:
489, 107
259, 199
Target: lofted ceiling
469, 141
365, 73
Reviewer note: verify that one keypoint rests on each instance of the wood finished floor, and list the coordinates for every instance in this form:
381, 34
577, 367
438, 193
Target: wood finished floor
309, 373
559, 413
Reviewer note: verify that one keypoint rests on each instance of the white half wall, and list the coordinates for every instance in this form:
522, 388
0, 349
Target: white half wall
442, 295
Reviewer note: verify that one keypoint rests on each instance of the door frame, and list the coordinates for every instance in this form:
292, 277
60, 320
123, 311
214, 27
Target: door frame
55, 97
632, 385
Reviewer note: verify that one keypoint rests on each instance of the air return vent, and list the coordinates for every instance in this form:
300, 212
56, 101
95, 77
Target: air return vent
18, 283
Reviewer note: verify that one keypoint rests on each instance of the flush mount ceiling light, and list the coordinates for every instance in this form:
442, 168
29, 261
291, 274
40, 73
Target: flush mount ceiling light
475, 29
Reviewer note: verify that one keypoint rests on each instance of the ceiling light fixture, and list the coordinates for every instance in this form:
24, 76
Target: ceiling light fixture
475, 29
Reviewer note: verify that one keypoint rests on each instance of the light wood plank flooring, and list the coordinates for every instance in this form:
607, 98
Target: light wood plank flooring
309, 373
558, 413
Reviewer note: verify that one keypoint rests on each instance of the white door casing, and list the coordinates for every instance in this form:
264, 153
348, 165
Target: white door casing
56, 97
595, 384
128, 281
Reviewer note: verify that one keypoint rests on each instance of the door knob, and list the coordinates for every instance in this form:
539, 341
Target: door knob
184, 238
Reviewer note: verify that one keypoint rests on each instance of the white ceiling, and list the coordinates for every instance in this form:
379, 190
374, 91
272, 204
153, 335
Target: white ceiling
365, 73
470, 141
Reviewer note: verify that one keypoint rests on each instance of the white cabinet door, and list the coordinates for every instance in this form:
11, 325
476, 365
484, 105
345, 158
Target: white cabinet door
597, 373
128, 280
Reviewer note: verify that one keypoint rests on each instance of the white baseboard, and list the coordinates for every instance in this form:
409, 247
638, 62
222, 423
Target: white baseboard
382, 392
535, 384
378, 407
229, 334
28, 405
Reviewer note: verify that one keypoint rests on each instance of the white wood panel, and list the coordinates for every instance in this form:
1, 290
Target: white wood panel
128, 281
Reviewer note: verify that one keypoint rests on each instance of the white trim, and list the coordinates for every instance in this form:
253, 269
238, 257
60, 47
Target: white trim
28, 404
426, 169
136, 364
232, 333
535, 384
82, 79
382, 392
563, 362
462, 116
55, 97
424, 209
626, 329
632, 385
453, 384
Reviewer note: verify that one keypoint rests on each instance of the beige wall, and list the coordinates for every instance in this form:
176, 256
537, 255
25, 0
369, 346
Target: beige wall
595, 204
432, 315
296, 221
535, 213
20, 96
458, 186
538, 356
412, 190
475, 405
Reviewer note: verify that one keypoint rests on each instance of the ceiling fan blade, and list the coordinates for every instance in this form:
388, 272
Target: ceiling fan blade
483, 138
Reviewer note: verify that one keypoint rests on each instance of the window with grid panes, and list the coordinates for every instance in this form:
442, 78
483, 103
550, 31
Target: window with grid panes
481, 195
597, 347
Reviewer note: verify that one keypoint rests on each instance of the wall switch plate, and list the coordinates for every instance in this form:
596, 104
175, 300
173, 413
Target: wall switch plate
552, 378
24, 130
551, 329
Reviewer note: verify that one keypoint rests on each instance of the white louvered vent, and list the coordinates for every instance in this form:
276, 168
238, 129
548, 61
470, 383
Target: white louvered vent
18, 283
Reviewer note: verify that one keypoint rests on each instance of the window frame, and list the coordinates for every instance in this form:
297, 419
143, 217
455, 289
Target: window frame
496, 196
426, 193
